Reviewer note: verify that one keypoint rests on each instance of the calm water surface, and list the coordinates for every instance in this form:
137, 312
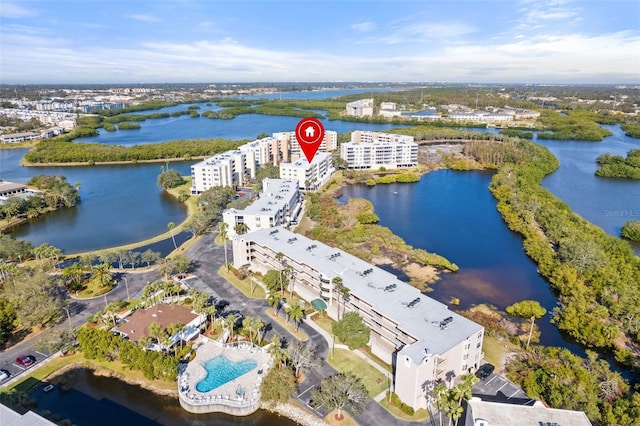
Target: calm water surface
106, 401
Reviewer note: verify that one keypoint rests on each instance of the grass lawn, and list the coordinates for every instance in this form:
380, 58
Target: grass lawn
92, 290
244, 286
280, 319
346, 421
420, 416
381, 363
495, 348
39, 374
346, 361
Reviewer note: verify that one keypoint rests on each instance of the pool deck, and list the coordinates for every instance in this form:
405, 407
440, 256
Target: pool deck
240, 396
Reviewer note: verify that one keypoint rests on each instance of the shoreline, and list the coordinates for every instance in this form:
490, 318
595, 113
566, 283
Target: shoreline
112, 163
288, 410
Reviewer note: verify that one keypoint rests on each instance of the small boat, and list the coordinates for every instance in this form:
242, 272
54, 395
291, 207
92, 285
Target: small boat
395, 192
48, 388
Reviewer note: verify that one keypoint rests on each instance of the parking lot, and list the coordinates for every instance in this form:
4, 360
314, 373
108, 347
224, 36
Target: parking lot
500, 389
15, 369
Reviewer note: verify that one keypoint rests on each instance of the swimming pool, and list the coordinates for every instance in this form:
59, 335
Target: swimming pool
221, 370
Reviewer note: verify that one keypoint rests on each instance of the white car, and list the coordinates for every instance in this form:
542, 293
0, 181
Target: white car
4, 375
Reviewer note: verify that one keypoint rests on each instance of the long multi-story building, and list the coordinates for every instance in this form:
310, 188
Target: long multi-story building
360, 108
278, 205
372, 150
420, 337
226, 169
310, 176
267, 150
329, 143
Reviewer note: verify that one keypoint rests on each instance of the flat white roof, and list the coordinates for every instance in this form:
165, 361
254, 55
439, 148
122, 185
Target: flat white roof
418, 315
277, 193
501, 414
303, 163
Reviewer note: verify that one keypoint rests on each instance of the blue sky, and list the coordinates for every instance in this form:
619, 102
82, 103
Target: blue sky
490, 41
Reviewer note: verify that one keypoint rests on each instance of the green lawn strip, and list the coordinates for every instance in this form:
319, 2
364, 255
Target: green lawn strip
280, 319
33, 377
374, 358
420, 415
244, 286
345, 361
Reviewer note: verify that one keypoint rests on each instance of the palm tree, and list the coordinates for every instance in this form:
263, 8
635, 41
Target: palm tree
440, 395
344, 292
224, 236
277, 351
294, 311
247, 324
145, 341
274, 299
288, 274
279, 257
175, 328
211, 312
337, 285
259, 325
230, 323
156, 331
172, 225
101, 275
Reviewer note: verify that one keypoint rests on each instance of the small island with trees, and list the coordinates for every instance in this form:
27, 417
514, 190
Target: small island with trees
616, 166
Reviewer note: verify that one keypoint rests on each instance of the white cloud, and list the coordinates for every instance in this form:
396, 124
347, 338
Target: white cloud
13, 10
144, 17
364, 27
537, 13
405, 33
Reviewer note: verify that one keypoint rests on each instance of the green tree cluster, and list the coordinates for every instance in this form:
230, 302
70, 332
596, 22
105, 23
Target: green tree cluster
579, 125
596, 275
343, 391
101, 345
210, 206
352, 330
631, 230
567, 381
616, 166
62, 150
170, 178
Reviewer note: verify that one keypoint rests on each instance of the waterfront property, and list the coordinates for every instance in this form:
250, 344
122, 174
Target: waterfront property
136, 325
223, 378
226, 169
278, 204
372, 150
13, 189
360, 108
419, 336
312, 175
328, 144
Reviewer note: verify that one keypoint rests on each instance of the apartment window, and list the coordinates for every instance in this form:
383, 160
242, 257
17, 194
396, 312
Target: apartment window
478, 344
464, 367
467, 346
465, 357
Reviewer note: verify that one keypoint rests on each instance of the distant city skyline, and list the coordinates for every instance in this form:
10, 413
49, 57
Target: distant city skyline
500, 41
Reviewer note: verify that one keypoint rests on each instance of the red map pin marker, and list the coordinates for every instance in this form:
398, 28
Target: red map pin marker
310, 134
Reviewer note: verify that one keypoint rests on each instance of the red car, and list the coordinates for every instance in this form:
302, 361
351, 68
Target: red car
25, 360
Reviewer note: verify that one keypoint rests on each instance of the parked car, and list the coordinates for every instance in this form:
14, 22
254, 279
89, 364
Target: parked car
4, 375
25, 360
485, 371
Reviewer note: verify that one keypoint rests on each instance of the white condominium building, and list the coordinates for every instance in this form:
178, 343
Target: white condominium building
268, 150
420, 337
360, 108
278, 205
372, 150
309, 176
226, 169
329, 143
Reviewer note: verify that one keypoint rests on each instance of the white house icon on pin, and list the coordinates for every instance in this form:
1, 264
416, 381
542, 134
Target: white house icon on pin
310, 132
